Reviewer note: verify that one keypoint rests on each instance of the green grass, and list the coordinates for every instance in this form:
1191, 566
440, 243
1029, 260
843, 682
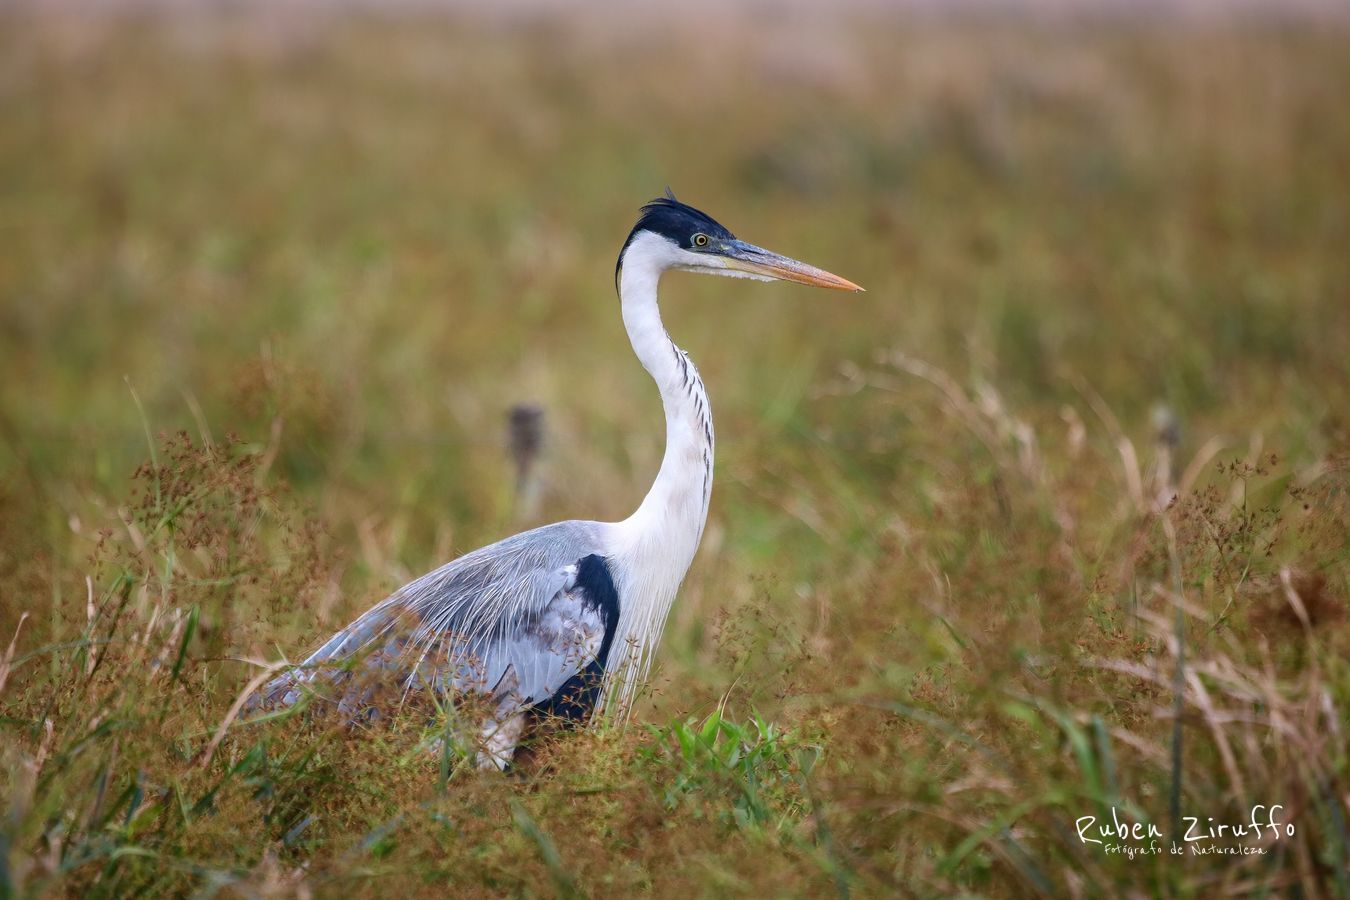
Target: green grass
268, 291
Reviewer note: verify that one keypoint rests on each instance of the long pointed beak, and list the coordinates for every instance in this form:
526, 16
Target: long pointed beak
757, 261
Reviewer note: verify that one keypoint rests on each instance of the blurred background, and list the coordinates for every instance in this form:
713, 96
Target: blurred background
360, 256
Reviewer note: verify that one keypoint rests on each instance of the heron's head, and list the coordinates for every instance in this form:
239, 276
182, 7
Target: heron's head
673, 235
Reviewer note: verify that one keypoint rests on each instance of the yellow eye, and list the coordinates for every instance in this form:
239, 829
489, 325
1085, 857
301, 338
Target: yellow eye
700, 240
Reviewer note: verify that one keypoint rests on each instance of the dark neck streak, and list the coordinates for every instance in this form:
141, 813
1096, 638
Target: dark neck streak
698, 395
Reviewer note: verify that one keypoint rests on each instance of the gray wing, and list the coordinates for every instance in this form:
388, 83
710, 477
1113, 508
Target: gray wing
508, 620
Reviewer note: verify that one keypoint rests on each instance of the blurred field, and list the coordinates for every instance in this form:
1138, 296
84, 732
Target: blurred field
269, 286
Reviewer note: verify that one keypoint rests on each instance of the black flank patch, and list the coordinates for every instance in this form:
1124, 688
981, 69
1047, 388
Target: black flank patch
575, 700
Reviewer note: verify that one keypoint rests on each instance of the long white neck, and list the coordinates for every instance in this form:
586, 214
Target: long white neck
655, 545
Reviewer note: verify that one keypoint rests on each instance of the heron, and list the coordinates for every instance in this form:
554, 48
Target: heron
562, 621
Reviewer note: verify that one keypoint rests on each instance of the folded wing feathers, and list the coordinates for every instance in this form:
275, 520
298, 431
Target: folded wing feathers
474, 611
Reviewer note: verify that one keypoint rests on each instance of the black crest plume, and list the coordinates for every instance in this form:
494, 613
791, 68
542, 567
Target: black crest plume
672, 219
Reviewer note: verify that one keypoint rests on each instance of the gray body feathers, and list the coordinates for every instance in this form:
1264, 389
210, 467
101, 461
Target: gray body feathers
507, 621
